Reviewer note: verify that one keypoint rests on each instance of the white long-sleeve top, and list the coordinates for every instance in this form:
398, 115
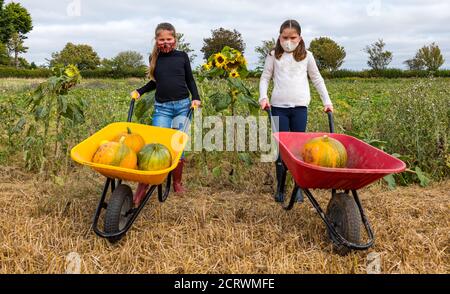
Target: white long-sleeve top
291, 86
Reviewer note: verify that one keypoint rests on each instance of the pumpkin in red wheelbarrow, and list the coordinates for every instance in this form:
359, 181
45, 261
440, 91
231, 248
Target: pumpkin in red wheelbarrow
154, 157
325, 151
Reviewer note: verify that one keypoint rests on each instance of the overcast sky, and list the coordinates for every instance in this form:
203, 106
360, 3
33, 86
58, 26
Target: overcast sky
114, 26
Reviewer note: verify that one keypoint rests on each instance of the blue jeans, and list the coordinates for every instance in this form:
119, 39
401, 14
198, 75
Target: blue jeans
171, 115
290, 120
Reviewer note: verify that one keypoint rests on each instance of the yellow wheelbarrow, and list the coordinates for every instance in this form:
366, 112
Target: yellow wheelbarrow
121, 212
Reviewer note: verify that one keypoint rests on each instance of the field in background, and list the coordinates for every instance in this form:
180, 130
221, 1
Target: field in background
229, 224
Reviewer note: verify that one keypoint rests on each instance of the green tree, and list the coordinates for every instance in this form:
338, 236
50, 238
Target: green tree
5, 24
16, 47
328, 54
264, 50
379, 59
4, 56
23, 63
184, 46
16, 22
127, 60
83, 56
415, 63
221, 38
428, 57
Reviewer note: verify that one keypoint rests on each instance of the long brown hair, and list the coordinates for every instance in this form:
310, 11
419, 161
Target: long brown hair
300, 51
155, 53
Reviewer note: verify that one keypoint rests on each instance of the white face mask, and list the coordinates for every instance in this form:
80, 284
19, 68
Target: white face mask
289, 46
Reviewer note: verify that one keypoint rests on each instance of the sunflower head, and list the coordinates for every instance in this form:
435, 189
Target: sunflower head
230, 66
234, 74
208, 66
220, 60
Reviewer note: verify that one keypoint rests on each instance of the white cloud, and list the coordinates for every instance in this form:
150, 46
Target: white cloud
111, 27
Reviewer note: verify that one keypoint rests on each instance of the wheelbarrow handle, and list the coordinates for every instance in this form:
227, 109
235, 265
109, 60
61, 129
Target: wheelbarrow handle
329, 113
269, 113
331, 121
131, 110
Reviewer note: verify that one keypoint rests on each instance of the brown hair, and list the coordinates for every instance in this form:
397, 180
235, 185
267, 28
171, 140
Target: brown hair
155, 53
300, 52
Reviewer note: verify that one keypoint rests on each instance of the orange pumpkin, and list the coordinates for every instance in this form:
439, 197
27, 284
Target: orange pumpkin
326, 152
132, 140
116, 154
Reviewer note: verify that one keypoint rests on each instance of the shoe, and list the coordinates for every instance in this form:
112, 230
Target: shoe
281, 181
177, 175
140, 194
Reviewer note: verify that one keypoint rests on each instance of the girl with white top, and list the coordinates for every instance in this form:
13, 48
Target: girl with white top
289, 65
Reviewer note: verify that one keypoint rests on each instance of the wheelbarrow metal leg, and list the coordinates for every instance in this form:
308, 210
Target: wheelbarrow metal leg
101, 204
163, 195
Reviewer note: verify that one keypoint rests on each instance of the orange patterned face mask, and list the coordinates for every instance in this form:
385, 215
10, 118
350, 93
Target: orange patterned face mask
166, 47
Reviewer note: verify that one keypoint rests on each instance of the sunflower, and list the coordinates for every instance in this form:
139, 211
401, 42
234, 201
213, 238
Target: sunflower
220, 60
230, 66
234, 74
242, 60
208, 66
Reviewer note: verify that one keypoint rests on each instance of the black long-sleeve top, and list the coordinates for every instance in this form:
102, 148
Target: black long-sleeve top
173, 78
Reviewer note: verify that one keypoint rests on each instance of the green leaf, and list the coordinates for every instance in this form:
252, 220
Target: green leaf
41, 112
19, 126
143, 107
239, 85
424, 180
220, 101
62, 104
217, 171
390, 180
246, 157
376, 143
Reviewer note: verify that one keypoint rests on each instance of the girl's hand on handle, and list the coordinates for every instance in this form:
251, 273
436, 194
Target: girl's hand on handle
264, 104
196, 104
328, 108
135, 95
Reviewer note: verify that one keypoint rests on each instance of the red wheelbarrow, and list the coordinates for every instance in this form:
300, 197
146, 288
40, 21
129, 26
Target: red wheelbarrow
344, 215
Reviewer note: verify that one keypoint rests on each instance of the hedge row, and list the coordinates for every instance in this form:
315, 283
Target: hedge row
7, 72
387, 73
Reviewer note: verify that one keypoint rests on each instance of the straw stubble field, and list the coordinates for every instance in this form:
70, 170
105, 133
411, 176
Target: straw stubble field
210, 230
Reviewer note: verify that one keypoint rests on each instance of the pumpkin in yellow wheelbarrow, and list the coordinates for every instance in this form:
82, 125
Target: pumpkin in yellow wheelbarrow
115, 154
154, 157
132, 140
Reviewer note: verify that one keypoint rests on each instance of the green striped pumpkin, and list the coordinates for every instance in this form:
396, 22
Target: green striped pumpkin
154, 157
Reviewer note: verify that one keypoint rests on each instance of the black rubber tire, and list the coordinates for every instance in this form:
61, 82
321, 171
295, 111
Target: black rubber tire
344, 215
120, 203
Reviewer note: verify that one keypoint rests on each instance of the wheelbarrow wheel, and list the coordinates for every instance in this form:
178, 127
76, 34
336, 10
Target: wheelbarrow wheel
343, 213
117, 216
